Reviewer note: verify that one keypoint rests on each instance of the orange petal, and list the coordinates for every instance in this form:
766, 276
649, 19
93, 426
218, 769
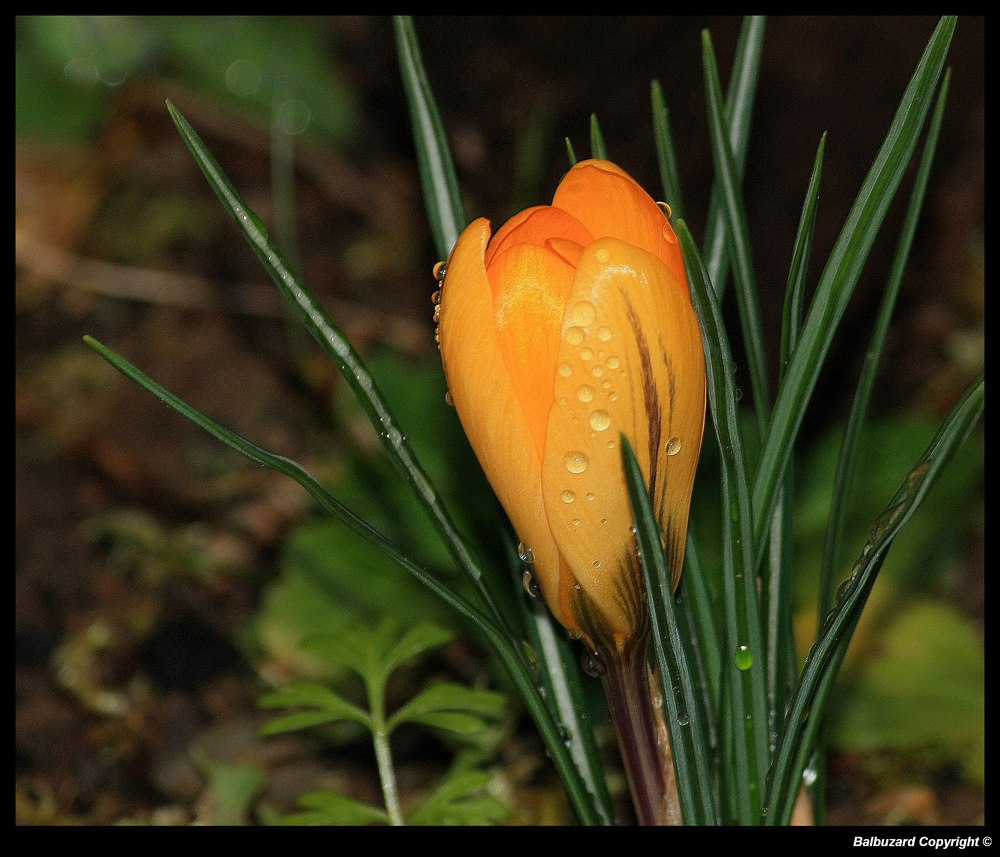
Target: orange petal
487, 404
632, 353
609, 203
535, 226
530, 285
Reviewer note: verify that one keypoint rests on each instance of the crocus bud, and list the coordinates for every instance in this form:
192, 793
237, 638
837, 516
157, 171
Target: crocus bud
572, 326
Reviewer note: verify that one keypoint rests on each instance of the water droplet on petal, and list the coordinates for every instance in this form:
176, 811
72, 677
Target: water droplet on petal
574, 336
600, 420
583, 313
673, 446
448, 399
666, 209
613, 362
576, 461
585, 393
603, 256
530, 584
525, 553
439, 271
568, 496
604, 334
565, 369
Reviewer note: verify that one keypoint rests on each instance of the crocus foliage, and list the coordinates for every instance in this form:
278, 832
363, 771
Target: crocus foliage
571, 327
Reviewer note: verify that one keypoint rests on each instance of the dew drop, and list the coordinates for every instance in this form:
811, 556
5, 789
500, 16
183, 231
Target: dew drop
683, 720
436, 297
603, 256
744, 657
574, 336
583, 313
666, 209
593, 664
586, 353
673, 446
597, 371
613, 397
604, 334
668, 234
590, 495
568, 496
565, 369
576, 461
439, 271
585, 393
448, 400
525, 554
530, 584
600, 420
597, 563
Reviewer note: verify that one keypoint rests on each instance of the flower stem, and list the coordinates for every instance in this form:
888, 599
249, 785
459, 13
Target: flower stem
642, 736
383, 754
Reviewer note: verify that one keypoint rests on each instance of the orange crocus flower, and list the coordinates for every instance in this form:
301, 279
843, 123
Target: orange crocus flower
574, 325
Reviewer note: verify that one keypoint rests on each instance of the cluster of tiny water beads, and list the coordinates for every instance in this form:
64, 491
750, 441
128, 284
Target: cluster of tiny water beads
438, 271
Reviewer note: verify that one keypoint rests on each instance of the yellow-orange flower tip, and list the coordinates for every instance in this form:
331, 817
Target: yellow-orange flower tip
572, 326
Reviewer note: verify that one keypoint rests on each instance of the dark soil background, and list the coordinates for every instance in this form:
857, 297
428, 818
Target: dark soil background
122, 664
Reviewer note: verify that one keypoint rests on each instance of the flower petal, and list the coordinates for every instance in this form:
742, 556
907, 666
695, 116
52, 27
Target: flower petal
630, 362
609, 203
535, 226
530, 286
487, 404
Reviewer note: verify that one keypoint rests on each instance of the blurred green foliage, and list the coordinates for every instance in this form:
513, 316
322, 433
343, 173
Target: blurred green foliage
68, 67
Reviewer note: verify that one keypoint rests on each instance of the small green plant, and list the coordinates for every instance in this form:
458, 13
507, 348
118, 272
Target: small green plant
374, 654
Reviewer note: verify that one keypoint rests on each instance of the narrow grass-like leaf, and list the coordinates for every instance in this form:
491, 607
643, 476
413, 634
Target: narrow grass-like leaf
437, 171
743, 659
597, 147
570, 153
556, 663
686, 719
665, 153
781, 655
701, 619
848, 459
295, 471
840, 275
791, 319
337, 346
739, 111
738, 236
827, 653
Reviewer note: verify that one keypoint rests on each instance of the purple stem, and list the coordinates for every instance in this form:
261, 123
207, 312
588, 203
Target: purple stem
646, 759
